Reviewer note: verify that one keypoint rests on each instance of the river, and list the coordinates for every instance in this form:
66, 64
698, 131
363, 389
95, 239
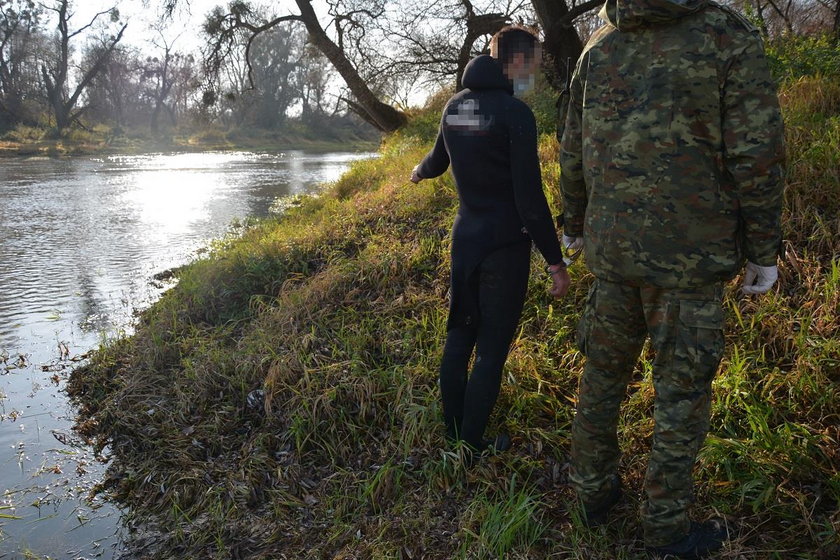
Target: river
80, 243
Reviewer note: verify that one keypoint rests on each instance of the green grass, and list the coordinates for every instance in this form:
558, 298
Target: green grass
498, 523
337, 311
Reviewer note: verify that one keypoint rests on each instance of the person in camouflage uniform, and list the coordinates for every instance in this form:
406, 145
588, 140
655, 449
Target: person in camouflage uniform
671, 179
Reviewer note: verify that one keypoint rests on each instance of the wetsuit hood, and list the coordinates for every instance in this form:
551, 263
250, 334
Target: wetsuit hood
627, 15
485, 72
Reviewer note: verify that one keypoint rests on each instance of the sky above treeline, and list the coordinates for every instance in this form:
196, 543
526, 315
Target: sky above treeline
141, 14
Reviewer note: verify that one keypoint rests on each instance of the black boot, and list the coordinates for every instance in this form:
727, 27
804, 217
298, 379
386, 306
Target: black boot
596, 515
497, 445
702, 539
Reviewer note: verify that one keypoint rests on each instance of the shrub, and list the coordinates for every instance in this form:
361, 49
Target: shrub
792, 57
24, 133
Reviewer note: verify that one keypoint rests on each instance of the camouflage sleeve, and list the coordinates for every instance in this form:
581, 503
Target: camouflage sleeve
527, 183
436, 162
572, 185
753, 136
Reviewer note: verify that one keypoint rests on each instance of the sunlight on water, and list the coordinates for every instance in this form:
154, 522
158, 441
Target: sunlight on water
170, 202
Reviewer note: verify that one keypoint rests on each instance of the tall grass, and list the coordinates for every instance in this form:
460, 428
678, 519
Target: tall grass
281, 401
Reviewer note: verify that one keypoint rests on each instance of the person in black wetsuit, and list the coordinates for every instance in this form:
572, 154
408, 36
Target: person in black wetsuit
489, 137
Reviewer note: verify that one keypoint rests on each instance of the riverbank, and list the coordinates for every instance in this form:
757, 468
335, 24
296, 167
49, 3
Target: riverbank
281, 400
103, 140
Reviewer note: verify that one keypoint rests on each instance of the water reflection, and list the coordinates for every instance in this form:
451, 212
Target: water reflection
79, 243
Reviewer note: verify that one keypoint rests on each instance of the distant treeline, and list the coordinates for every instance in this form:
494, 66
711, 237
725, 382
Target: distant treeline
56, 72
262, 67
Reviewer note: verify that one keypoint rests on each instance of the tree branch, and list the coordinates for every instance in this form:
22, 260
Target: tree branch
89, 25
225, 28
578, 11
90, 74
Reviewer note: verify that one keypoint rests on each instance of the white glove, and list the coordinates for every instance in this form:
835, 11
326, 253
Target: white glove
572, 244
759, 279
415, 178
573, 247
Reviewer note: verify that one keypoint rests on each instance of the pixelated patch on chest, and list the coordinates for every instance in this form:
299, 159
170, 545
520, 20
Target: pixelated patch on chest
466, 116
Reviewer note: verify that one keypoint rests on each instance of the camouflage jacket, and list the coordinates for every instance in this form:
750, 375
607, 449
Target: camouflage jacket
673, 148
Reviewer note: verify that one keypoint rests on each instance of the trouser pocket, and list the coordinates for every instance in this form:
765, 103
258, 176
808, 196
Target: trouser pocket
700, 338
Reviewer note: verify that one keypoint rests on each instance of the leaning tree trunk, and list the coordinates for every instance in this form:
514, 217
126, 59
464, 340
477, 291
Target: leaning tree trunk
367, 104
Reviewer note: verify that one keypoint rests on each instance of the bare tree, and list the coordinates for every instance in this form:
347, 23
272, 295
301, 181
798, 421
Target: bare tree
160, 73
276, 59
782, 10
346, 19
20, 38
228, 86
187, 83
820, 17
775, 18
438, 39
112, 90
313, 74
56, 75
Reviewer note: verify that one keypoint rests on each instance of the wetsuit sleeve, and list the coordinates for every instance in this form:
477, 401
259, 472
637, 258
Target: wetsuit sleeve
572, 185
753, 137
436, 161
527, 184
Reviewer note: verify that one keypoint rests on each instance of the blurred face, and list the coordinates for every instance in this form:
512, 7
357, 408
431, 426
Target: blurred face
521, 66
522, 71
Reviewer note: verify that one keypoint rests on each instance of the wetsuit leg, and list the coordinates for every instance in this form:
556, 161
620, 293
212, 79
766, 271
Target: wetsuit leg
457, 351
502, 286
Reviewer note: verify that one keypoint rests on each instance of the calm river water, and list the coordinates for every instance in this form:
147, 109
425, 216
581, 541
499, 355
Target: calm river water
80, 240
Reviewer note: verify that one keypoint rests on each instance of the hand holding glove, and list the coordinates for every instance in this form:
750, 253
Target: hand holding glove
759, 279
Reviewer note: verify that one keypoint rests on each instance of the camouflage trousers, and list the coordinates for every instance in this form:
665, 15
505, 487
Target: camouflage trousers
686, 331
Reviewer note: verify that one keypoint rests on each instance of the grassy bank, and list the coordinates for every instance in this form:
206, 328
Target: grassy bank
27, 141
281, 401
